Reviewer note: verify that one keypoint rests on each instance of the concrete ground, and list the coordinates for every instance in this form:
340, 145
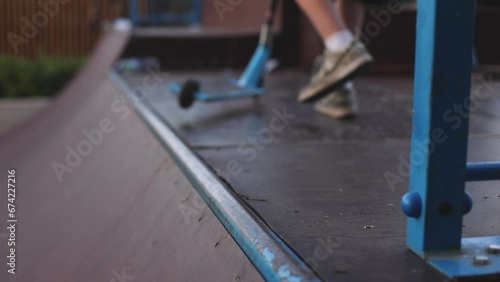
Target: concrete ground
15, 111
320, 183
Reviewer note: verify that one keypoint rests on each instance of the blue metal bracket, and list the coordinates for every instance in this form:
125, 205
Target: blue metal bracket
437, 202
478, 257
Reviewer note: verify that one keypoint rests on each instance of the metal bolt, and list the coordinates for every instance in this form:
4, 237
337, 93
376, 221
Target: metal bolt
493, 249
481, 260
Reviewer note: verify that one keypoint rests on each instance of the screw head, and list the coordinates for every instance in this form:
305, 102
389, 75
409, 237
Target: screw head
493, 249
481, 260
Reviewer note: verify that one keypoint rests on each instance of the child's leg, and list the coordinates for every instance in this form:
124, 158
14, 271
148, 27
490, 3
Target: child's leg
324, 17
329, 23
352, 13
344, 55
342, 103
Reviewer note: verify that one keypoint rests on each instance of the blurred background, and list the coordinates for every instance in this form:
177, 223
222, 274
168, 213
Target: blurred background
45, 42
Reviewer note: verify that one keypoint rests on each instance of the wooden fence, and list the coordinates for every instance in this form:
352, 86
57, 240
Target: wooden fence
53, 27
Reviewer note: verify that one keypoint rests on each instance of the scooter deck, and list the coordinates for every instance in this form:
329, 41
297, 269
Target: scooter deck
224, 92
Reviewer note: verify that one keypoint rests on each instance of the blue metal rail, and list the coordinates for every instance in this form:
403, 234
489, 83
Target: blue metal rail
437, 201
483, 171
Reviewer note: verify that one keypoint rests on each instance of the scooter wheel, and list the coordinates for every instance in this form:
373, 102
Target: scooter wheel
187, 94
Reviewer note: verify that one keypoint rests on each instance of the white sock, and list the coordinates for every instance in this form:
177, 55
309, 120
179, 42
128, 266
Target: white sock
339, 41
349, 85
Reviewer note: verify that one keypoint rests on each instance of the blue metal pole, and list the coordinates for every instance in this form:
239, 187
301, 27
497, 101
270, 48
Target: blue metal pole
483, 171
255, 68
196, 12
438, 151
133, 10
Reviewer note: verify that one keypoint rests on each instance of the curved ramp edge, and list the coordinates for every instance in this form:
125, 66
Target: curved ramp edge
98, 198
109, 47
269, 254
119, 210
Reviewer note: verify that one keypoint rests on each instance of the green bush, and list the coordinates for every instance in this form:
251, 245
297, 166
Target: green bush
45, 76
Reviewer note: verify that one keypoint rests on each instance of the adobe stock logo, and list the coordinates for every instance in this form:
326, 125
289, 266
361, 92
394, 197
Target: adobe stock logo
223, 6
120, 109
74, 158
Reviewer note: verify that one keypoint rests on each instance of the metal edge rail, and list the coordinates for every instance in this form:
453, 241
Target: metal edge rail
268, 253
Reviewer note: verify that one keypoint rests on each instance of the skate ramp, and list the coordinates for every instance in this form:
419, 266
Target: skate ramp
98, 198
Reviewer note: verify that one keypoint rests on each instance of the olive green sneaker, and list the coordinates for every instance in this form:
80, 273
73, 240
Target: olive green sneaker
340, 104
336, 69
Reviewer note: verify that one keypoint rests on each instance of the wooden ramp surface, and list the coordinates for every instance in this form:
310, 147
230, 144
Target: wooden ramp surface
119, 211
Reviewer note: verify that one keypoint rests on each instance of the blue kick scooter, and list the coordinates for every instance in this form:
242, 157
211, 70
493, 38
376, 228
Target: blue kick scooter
250, 84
